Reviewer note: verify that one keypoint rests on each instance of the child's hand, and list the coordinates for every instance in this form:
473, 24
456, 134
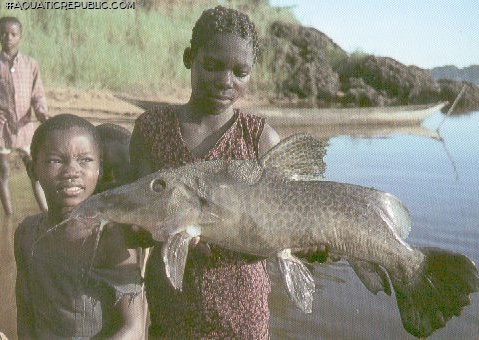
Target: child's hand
42, 117
200, 246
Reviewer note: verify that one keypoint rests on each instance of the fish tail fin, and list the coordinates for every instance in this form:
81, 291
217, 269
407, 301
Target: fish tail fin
439, 292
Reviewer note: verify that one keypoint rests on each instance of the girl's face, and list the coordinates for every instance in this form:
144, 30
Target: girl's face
67, 167
220, 72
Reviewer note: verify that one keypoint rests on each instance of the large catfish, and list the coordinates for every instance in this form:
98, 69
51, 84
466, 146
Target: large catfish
269, 208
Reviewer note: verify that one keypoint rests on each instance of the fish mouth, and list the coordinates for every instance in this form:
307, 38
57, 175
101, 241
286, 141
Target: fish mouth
221, 97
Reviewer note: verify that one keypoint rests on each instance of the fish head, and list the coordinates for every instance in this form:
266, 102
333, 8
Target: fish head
160, 203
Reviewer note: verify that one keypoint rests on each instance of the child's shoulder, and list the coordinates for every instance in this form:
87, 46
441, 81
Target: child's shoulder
157, 119
158, 112
27, 228
27, 59
30, 222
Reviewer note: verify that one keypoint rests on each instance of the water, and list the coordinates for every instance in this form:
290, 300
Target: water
441, 195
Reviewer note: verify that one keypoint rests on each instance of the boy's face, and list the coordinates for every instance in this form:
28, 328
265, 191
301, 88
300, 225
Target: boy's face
10, 34
220, 72
67, 168
116, 166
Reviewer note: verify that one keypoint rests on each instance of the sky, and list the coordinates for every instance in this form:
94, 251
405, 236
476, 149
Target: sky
425, 33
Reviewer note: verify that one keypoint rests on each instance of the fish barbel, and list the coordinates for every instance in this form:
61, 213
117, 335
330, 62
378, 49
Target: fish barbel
271, 208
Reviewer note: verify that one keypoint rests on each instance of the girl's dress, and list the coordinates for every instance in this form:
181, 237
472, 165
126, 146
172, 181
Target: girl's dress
225, 295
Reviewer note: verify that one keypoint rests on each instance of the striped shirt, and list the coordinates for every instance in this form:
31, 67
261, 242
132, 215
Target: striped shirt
21, 89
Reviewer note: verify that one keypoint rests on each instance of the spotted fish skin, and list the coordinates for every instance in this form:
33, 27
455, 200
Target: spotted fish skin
257, 208
276, 214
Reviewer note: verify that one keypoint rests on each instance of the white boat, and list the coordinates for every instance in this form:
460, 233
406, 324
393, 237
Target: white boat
355, 122
390, 115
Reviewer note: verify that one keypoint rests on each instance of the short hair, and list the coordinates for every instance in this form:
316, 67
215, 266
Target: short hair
13, 20
223, 20
62, 122
109, 132
115, 142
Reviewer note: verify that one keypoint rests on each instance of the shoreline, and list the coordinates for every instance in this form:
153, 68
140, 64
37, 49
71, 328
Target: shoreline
103, 106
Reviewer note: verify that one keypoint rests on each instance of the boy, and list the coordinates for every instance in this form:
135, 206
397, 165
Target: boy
21, 89
67, 278
115, 141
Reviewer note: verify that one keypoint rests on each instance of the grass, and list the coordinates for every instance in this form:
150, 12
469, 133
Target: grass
125, 50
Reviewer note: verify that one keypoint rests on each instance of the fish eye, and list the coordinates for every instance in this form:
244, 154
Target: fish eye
157, 185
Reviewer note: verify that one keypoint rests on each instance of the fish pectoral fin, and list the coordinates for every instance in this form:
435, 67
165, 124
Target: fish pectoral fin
298, 279
212, 213
373, 276
175, 223
175, 252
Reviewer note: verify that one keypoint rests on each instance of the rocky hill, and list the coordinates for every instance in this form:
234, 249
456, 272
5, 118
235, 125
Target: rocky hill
303, 63
310, 69
470, 73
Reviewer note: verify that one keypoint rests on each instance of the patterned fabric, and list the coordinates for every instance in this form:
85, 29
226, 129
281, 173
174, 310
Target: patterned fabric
224, 296
21, 89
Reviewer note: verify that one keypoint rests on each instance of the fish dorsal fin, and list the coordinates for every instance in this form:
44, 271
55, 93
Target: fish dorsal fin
247, 172
299, 156
298, 280
231, 172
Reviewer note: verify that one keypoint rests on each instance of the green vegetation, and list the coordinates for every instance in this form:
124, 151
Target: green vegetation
138, 51
358, 55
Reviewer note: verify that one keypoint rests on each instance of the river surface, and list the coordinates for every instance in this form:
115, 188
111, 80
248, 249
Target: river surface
438, 182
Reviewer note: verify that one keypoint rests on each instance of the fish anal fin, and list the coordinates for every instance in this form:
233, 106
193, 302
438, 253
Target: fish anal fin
175, 252
298, 280
373, 276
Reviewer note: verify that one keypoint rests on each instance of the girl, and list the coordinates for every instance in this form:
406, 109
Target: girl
61, 290
224, 295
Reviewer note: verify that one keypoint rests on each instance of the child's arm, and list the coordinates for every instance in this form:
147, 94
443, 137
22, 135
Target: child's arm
132, 314
125, 278
38, 100
269, 138
25, 316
